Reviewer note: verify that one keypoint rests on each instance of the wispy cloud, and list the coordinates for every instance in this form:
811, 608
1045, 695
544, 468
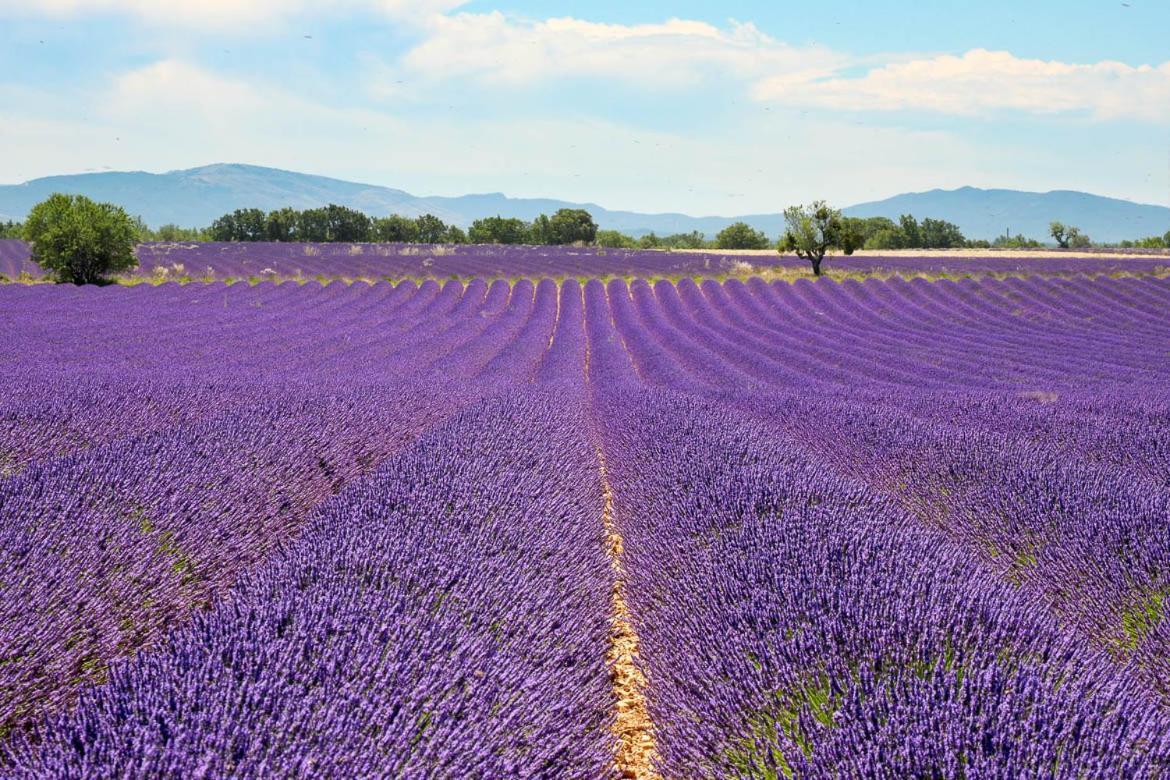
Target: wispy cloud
982, 82
160, 87
238, 16
675, 115
504, 51
496, 49
499, 49
174, 113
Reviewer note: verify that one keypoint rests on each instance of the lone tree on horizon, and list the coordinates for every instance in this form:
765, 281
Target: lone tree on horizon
811, 231
79, 240
1068, 237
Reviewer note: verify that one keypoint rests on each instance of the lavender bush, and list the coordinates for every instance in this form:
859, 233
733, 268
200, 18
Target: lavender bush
899, 528
258, 260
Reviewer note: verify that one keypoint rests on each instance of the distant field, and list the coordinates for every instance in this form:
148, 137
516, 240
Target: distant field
264, 261
874, 528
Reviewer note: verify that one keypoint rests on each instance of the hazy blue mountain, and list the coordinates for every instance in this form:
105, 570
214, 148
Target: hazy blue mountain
197, 196
989, 213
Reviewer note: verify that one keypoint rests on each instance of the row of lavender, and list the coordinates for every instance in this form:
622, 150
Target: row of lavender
903, 527
937, 547
210, 261
156, 447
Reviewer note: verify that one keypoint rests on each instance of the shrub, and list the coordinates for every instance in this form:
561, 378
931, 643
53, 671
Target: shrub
79, 240
740, 235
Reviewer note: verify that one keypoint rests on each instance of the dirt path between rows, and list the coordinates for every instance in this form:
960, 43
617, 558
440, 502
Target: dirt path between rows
636, 749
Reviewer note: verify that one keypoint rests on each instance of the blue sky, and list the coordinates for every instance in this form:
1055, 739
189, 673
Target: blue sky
705, 108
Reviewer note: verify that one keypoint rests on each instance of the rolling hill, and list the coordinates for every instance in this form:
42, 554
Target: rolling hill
196, 196
989, 213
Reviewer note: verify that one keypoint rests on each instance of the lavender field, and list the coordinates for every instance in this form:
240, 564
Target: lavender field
559, 529
296, 261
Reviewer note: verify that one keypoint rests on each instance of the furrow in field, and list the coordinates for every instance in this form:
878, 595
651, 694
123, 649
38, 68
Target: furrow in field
1061, 528
636, 753
447, 616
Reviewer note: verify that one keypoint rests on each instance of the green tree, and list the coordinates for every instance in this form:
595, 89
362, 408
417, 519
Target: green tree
940, 234
1150, 242
540, 231
613, 239
172, 233
252, 224
454, 235
873, 225
1008, 241
281, 225
223, 228
395, 228
886, 238
650, 241
741, 235
692, 240
876, 233
1077, 239
1166, 239
313, 225
911, 233
142, 231
811, 231
852, 235
79, 240
240, 225
343, 224
430, 229
498, 230
1059, 233
1068, 237
571, 226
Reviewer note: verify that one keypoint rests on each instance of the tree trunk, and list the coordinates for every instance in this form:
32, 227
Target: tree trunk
816, 264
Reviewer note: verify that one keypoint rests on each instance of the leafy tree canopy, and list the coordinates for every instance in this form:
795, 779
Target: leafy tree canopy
569, 226
79, 240
430, 229
395, 228
613, 239
811, 231
499, 230
741, 235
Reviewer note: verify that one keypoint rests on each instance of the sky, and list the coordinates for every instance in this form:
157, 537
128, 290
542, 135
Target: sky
699, 107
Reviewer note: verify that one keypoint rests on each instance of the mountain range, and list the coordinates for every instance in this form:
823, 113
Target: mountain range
196, 196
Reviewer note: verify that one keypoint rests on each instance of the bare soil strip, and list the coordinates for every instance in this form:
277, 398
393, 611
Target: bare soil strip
636, 748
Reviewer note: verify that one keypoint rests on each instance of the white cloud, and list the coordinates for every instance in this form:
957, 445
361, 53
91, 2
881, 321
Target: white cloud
162, 87
501, 49
496, 49
176, 114
224, 15
982, 81
440, 134
506, 51
173, 114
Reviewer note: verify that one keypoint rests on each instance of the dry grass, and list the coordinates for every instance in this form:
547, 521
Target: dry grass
636, 748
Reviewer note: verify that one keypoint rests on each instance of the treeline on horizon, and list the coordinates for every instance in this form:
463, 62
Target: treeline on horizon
340, 224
